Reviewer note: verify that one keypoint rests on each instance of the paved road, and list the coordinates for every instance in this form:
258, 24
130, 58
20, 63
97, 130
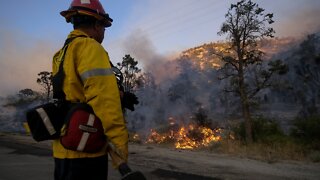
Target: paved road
20, 161
21, 158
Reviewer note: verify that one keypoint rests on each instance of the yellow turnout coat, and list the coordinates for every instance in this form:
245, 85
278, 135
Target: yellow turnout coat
89, 78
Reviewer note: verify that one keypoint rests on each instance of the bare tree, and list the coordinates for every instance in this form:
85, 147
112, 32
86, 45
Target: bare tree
245, 25
45, 80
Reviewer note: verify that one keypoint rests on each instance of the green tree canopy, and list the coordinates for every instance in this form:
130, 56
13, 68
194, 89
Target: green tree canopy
246, 23
45, 80
131, 73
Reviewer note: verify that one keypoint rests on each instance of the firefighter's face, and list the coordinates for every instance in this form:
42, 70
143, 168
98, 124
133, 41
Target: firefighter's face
100, 29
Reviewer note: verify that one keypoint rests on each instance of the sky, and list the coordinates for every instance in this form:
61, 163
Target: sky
32, 31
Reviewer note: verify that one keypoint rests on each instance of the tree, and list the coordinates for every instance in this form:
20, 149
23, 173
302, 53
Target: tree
185, 88
246, 24
307, 68
306, 81
131, 73
26, 92
45, 80
146, 80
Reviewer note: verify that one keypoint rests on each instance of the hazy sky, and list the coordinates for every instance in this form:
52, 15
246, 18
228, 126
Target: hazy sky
32, 31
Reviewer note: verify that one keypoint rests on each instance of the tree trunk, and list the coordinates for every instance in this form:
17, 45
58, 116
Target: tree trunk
245, 105
248, 122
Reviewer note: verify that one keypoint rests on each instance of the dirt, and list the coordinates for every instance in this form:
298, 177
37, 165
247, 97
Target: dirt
158, 162
219, 166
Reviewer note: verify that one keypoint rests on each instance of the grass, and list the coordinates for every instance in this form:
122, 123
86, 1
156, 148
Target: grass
314, 156
270, 143
270, 153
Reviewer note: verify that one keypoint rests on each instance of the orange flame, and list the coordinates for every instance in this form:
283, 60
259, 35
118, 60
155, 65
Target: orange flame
189, 137
155, 137
196, 137
136, 137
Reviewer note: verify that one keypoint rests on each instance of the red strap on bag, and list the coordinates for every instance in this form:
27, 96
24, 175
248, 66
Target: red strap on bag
84, 132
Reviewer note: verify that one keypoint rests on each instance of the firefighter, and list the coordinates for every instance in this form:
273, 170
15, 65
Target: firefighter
89, 79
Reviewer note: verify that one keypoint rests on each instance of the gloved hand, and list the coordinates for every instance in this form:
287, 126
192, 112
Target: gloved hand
129, 100
128, 174
118, 155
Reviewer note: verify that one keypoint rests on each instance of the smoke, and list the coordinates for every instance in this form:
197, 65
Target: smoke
193, 90
139, 46
8, 122
299, 22
180, 88
21, 61
22, 57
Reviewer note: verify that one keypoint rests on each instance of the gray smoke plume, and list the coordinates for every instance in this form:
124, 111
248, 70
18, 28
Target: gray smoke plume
301, 22
178, 88
190, 90
139, 46
21, 59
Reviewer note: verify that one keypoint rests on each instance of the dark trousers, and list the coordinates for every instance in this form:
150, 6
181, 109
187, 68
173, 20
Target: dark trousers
81, 168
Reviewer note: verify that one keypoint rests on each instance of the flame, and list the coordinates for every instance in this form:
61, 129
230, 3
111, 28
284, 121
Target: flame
155, 137
187, 137
136, 137
195, 137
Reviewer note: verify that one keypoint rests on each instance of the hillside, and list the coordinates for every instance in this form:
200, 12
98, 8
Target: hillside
204, 56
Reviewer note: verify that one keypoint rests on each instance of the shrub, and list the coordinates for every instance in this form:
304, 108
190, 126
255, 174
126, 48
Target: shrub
314, 156
201, 117
307, 131
263, 130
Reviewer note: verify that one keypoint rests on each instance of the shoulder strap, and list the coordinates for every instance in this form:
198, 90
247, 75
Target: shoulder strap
119, 76
57, 79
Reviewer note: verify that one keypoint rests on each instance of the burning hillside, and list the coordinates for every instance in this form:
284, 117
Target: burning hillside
192, 83
204, 56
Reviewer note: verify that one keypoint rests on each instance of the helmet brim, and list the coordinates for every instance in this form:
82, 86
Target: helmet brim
104, 18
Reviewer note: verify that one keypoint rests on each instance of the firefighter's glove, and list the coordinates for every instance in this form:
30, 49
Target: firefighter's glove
129, 100
119, 155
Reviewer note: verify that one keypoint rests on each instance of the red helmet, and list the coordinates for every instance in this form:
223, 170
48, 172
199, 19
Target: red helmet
87, 7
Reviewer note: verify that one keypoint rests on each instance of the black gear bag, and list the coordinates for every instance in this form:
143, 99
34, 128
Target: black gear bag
45, 121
